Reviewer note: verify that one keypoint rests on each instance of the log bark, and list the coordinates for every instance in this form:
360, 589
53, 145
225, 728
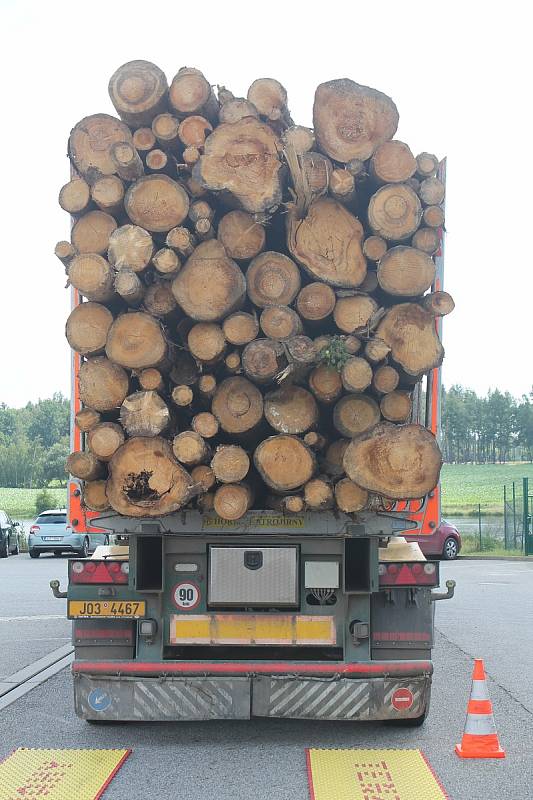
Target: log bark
90, 142
356, 374
350, 120
93, 276
280, 322
181, 240
392, 162
232, 500
136, 341
144, 414
300, 138
409, 331
243, 159
203, 475
396, 461
394, 212
165, 129
129, 286
130, 246
86, 419
184, 369
182, 396
104, 440
354, 313
144, 140
325, 383
354, 414
236, 109
376, 350
291, 409
230, 463
238, 405
210, 286
206, 424
75, 196
316, 301
138, 90
240, 328
108, 194
272, 279
194, 130
190, 93
166, 262
318, 494
87, 328
334, 259
396, 406
263, 359
242, 237
385, 379
332, 464
438, 303
374, 248
433, 216
427, 240
158, 299
190, 448
103, 385
146, 480
370, 283
406, 271
65, 251
94, 496
207, 342
431, 191
151, 380
127, 161
91, 232
156, 203
350, 497
284, 462
270, 99
85, 466
426, 165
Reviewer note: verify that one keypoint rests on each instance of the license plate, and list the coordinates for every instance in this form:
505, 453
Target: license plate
52, 538
131, 609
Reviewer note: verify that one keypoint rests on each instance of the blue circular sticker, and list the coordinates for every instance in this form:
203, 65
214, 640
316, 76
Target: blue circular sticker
99, 700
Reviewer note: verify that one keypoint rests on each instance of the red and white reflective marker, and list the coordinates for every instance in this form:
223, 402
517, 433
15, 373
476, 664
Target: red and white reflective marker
402, 699
186, 596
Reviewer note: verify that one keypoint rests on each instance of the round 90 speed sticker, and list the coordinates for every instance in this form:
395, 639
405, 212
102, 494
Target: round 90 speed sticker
186, 596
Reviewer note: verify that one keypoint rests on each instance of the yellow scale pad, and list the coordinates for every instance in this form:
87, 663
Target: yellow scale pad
28, 774
371, 775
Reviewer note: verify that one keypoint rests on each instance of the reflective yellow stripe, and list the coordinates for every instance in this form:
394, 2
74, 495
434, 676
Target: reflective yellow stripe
287, 629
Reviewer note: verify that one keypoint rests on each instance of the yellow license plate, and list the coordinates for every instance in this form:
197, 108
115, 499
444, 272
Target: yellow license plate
131, 609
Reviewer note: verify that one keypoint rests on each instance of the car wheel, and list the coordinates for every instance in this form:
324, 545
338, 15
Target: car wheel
450, 549
84, 552
34, 554
16, 551
4, 552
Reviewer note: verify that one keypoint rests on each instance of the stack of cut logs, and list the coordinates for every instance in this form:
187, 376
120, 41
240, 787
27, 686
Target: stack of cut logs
257, 299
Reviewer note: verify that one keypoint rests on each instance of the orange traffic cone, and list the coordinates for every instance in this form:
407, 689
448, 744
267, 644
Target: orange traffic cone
480, 739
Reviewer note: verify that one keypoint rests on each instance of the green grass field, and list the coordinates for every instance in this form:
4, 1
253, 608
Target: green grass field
20, 503
466, 485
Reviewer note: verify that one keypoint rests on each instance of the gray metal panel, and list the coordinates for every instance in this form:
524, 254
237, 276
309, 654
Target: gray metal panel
231, 582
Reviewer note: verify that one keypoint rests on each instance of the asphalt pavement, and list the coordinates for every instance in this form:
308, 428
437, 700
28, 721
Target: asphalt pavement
490, 617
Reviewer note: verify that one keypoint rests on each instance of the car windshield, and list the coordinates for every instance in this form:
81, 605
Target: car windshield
51, 519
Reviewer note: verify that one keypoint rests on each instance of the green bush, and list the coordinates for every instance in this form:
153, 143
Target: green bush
44, 501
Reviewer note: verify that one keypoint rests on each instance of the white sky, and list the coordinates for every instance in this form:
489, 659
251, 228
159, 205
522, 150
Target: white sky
460, 75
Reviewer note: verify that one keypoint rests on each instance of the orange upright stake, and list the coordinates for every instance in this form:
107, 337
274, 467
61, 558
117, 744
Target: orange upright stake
480, 739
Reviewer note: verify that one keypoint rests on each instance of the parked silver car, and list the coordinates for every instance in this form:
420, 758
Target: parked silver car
9, 531
50, 533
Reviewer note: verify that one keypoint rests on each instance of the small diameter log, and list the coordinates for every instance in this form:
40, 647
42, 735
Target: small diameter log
284, 462
315, 301
336, 260
195, 188
104, 440
130, 246
316, 170
136, 341
325, 383
374, 248
242, 237
291, 409
332, 464
65, 252
191, 155
315, 440
93, 276
90, 142
184, 369
300, 138
438, 303
406, 271
269, 98
138, 91
290, 504
232, 500
165, 129
91, 232
207, 385
396, 461
144, 414
433, 216
86, 419
385, 379
370, 283
356, 374
87, 328
240, 328
392, 162
194, 130
158, 161
342, 185
300, 350
190, 93
206, 342
108, 194
232, 362
103, 385
204, 230
427, 240
205, 502
143, 140
409, 330
206, 424
210, 285
181, 240
238, 405
272, 278
230, 463
350, 120
318, 494
159, 300
394, 212
129, 286
243, 159
357, 168
75, 196
151, 380
85, 466
263, 359
236, 109
354, 414
94, 496
426, 165
203, 475
190, 448
127, 161
352, 344
146, 480
280, 322
354, 313
200, 209
396, 406
376, 350
156, 203
182, 396
431, 192
166, 262
350, 497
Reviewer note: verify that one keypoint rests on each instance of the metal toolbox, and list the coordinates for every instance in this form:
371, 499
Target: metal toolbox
253, 576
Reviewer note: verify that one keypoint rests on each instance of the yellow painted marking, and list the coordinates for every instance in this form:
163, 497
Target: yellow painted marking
285, 629
371, 775
87, 609
58, 774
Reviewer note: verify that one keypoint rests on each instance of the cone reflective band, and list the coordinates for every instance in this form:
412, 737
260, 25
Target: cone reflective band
480, 738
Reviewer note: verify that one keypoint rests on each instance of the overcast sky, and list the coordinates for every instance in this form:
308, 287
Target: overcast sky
460, 74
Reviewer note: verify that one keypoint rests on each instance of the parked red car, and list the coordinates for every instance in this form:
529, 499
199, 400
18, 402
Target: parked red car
444, 543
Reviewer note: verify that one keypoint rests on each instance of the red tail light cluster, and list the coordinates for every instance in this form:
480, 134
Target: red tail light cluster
405, 573
93, 571
35, 528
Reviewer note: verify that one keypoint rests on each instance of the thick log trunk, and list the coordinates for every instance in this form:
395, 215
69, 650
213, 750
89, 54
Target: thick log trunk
136, 341
138, 90
376, 350
129, 286
130, 246
86, 419
284, 462
230, 463
210, 285
396, 406
318, 494
291, 409
158, 299
104, 440
332, 464
94, 496
127, 161
93, 276
374, 248
190, 93
325, 383
427, 240
396, 461
238, 405
242, 237
431, 191
75, 196
263, 359
409, 331
433, 216
350, 120
240, 328
385, 379
166, 262
190, 448
406, 271
438, 303
394, 212
270, 99
354, 414
354, 313
87, 328
356, 374
233, 500
206, 424
181, 240
165, 129
108, 194
144, 414
316, 301
85, 465
151, 380
207, 342
146, 480
280, 322
203, 475
90, 142
91, 232
393, 162
182, 396
272, 278
156, 203
350, 497
426, 165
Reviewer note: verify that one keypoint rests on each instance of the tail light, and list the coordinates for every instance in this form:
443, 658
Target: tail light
408, 573
93, 571
35, 528
104, 632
